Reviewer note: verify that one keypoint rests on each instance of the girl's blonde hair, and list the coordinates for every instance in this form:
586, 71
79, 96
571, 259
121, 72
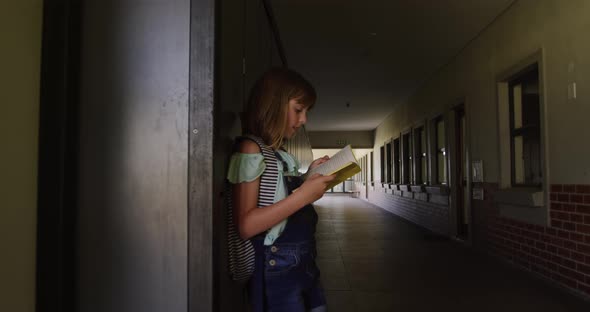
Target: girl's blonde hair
265, 115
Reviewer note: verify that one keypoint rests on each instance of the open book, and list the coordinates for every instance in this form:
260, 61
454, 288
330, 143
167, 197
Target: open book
343, 164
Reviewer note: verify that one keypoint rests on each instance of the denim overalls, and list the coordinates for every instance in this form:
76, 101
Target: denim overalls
286, 278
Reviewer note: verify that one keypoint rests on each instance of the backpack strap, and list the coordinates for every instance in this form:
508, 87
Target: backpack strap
270, 176
241, 252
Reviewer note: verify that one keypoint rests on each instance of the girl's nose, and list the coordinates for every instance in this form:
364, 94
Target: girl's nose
303, 118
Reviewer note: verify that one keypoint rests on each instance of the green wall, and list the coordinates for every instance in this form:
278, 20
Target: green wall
20, 36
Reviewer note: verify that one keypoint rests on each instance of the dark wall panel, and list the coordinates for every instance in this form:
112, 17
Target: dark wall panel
258, 50
230, 97
132, 224
244, 41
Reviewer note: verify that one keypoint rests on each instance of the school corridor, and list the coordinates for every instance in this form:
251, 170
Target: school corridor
372, 260
468, 120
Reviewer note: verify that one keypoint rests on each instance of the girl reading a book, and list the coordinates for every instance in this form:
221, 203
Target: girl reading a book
285, 276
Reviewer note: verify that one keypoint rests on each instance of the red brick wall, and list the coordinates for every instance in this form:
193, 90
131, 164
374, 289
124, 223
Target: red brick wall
559, 252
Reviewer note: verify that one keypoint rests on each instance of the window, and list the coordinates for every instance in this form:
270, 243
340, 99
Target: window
441, 154
364, 178
521, 142
396, 162
388, 166
525, 120
371, 169
364, 169
362, 173
407, 176
382, 160
420, 159
357, 176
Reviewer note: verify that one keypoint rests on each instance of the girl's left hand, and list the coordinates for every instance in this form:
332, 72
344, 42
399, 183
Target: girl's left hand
319, 161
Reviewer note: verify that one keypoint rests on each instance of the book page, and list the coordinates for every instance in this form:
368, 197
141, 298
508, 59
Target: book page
344, 174
341, 159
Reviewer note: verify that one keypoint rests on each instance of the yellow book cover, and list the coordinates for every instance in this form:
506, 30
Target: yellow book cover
343, 164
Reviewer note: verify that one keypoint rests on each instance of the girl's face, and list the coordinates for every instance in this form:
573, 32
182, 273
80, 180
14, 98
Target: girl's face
296, 117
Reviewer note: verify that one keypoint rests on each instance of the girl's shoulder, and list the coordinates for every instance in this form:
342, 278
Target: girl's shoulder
246, 146
247, 162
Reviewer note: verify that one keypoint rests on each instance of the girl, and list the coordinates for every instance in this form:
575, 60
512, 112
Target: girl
285, 277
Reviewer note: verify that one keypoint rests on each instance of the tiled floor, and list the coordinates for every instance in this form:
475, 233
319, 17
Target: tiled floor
372, 260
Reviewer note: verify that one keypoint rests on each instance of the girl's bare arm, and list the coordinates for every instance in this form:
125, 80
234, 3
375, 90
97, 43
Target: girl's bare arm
252, 220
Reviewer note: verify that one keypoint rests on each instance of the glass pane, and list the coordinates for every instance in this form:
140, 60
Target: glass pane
518, 160
418, 155
531, 111
532, 158
517, 108
388, 166
463, 153
423, 171
382, 162
410, 148
364, 178
440, 134
348, 186
371, 160
396, 161
525, 110
442, 168
410, 162
406, 159
423, 142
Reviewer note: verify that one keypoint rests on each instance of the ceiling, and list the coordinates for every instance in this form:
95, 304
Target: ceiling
364, 57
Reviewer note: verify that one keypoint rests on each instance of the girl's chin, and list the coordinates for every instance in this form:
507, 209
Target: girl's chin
290, 133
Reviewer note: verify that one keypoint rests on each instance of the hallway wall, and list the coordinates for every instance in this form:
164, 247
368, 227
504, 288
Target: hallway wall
229, 99
20, 57
558, 250
244, 43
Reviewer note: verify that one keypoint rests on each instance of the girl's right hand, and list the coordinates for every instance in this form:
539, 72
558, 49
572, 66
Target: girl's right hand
314, 186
